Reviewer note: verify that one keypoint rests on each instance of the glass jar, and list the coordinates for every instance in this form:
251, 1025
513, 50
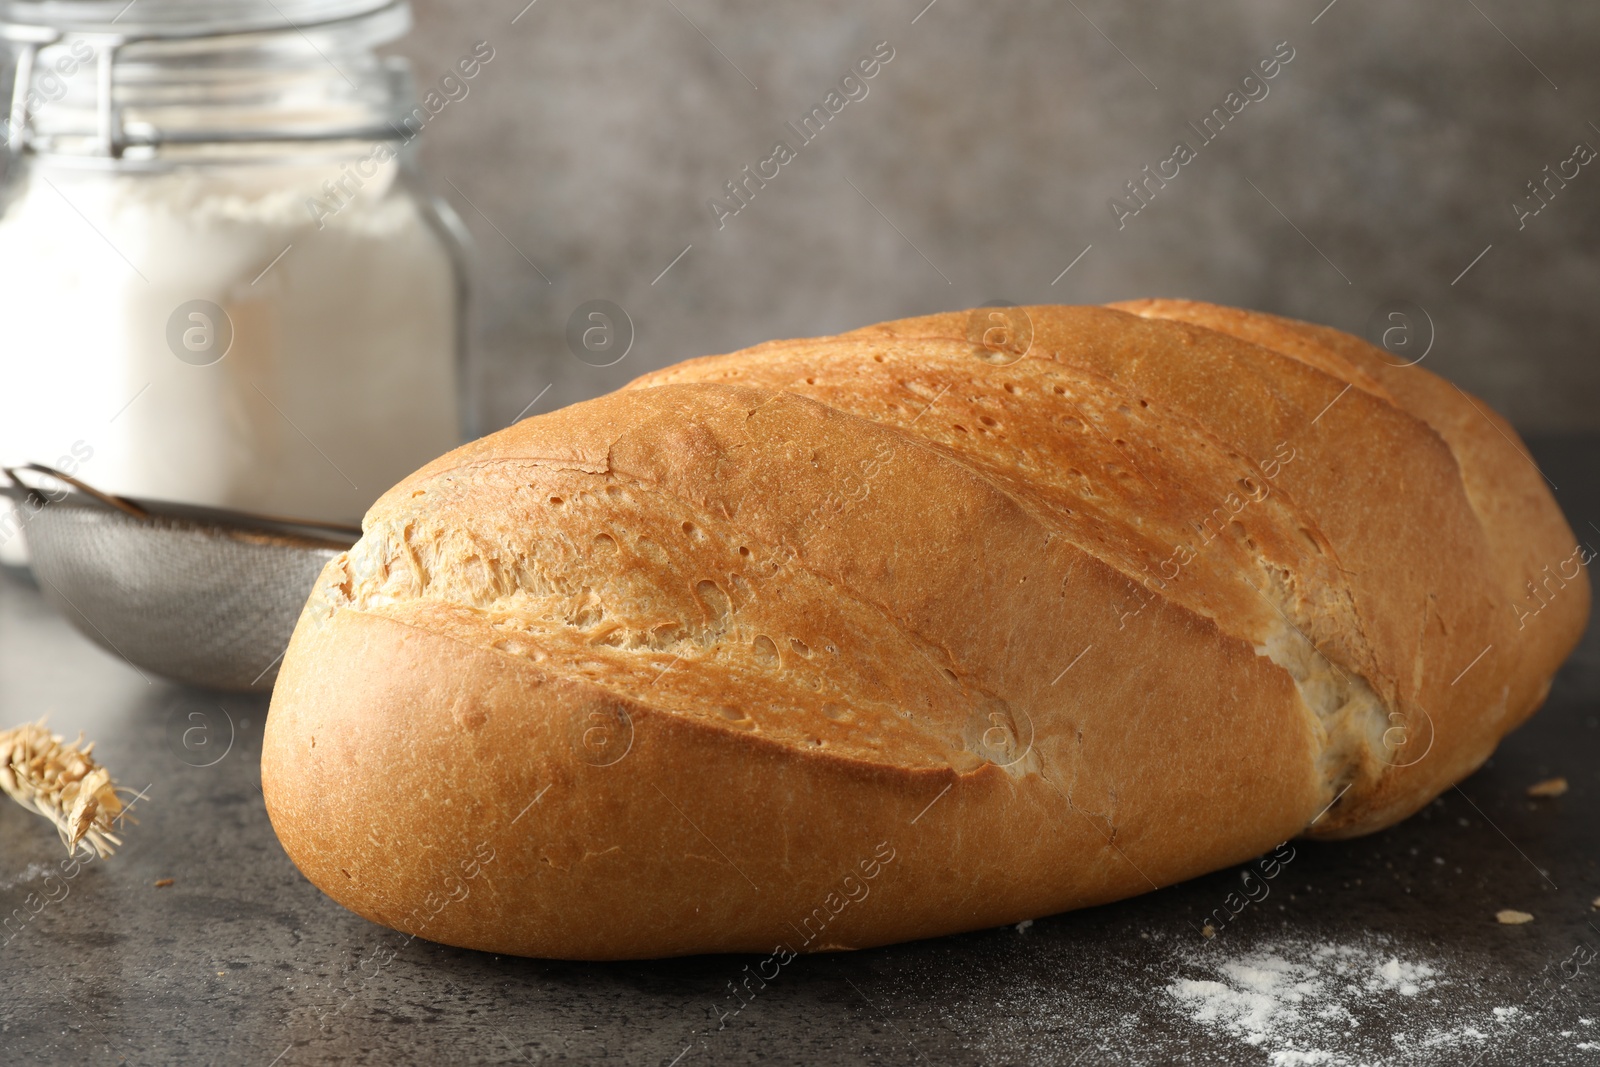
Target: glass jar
219, 281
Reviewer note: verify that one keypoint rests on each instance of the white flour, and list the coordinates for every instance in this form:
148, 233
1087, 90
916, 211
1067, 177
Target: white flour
1305, 1004
1074, 1000
33, 872
341, 375
1295, 1001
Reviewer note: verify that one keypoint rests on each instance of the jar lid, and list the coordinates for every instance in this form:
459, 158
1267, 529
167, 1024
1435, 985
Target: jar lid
114, 79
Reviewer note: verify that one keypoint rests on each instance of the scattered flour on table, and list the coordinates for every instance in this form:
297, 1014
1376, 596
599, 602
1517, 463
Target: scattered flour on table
1285, 1001
1266, 995
32, 873
1306, 1004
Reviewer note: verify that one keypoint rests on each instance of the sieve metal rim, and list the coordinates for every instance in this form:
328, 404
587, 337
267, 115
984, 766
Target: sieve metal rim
242, 525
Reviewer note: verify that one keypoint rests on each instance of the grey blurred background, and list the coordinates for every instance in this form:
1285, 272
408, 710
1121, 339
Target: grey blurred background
1382, 165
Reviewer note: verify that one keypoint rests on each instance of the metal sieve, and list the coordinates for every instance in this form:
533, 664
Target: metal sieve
203, 596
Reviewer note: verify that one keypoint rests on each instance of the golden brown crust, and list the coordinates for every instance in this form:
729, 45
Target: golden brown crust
1146, 601
1536, 614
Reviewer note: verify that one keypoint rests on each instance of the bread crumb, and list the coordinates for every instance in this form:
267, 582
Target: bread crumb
1550, 787
1595, 903
1023, 925
1512, 917
162, 883
1208, 930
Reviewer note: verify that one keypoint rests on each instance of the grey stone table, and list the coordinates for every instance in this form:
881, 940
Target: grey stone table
1380, 950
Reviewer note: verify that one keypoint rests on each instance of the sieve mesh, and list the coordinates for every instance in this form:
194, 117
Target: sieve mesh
198, 596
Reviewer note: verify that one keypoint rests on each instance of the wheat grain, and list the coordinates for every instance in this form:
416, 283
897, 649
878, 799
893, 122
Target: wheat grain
63, 783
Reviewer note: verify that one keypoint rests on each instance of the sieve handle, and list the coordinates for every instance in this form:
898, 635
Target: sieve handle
114, 502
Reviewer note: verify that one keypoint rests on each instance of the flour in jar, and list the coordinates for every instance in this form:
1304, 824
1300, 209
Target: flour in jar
340, 377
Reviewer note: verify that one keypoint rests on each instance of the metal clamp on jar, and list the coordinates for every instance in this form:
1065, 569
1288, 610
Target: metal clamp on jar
219, 283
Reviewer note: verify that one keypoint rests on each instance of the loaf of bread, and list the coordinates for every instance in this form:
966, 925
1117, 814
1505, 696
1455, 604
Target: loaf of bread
913, 630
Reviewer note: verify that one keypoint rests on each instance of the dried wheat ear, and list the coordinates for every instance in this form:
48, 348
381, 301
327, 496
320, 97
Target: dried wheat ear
61, 782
